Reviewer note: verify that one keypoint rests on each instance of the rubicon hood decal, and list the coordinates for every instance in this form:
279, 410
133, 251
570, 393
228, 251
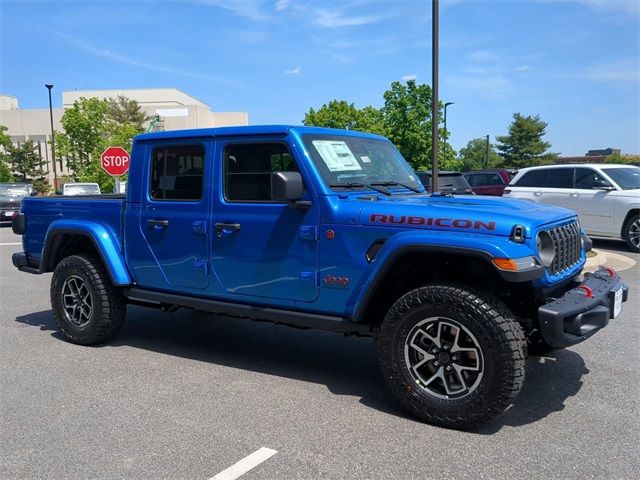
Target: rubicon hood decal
462, 223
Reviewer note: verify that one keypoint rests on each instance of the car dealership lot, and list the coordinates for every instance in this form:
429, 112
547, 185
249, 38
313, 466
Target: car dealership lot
186, 395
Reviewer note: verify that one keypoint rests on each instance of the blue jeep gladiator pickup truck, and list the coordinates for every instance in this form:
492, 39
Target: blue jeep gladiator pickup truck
329, 229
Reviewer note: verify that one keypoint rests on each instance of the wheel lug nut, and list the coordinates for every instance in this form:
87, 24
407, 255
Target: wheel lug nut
446, 347
436, 363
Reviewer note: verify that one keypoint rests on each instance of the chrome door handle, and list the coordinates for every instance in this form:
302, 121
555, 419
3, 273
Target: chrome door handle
158, 223
575, 195
538, 193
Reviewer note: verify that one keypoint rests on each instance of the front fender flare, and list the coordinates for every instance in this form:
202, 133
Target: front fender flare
105, 242
485, 247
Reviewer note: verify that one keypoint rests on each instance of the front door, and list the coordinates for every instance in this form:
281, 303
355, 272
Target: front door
262, 248
174, 217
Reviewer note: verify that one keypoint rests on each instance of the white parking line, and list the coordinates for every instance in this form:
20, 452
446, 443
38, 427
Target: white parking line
246, 464
7, 244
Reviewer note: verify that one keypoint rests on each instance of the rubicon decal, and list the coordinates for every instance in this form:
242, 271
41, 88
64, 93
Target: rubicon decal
461, 223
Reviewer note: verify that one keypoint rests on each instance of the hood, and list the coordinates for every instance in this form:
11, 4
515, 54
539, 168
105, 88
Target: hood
472, 214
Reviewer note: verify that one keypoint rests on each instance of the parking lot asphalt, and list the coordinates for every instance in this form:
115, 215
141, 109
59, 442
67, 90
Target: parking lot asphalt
187, 395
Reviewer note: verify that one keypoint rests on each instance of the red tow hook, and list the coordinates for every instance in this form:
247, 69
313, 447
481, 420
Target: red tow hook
609, 270
586, 290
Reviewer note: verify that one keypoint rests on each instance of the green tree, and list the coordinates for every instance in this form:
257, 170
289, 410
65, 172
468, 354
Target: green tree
472, 156
344, 115
124, 110
24, 161
523, 146
5, 142
617, 158
90, 126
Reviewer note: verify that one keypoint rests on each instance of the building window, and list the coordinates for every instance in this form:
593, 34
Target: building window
248, 168
176, 172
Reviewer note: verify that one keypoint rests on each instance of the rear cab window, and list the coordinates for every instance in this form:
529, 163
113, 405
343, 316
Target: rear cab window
177, 173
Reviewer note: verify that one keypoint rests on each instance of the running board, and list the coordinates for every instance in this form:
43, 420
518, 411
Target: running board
252, 312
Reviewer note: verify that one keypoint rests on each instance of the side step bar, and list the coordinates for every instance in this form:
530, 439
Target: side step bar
252, 312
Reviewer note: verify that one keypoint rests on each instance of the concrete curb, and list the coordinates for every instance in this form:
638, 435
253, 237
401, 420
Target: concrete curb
614, 260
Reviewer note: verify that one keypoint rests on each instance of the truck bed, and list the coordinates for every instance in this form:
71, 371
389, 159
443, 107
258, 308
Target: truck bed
40, 212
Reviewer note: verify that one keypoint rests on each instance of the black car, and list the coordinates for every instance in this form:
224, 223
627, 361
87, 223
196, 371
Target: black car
448, 182
11, 195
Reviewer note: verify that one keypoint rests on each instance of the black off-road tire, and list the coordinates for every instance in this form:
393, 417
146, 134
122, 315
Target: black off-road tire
108, 306
630, 227
498, 335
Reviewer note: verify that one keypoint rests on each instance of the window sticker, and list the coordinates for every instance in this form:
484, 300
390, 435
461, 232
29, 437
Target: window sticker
365, 159
337, 155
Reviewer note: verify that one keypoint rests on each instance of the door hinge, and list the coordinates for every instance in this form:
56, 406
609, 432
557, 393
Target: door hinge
309, 232
199, 227
201, 266
311, 277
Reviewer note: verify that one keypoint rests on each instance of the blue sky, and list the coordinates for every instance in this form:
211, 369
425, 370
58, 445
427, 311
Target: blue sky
576, 63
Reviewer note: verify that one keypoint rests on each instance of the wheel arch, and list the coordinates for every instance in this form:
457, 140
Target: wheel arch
70, 237
632, 211
415, 265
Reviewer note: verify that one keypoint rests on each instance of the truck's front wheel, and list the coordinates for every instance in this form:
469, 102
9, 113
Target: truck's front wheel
451, 355
87, 307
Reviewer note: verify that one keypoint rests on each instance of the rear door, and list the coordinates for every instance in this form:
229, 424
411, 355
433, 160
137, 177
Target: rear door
262, 248
545, 185
173, 219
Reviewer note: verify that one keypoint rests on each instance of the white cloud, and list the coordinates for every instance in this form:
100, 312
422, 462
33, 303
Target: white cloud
483, 56
490, 82
622, 71
335, 19
250, 9
523, 68
411, 76
622, 6
282, 4
292, 71
127, 60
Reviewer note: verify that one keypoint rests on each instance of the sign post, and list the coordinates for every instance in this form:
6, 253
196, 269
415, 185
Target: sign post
115, 161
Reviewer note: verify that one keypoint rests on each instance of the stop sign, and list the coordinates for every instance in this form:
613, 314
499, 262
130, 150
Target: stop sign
115, 161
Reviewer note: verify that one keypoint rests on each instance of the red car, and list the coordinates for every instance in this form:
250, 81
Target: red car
489, 182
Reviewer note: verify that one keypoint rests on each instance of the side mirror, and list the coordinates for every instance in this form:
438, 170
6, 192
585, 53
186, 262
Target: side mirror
603, 185
286, 186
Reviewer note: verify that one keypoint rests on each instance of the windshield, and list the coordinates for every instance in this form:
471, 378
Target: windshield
81, 189
14, 190
626, 178
348, 162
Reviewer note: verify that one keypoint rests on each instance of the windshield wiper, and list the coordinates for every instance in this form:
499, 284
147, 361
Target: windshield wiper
360, 185
391, 183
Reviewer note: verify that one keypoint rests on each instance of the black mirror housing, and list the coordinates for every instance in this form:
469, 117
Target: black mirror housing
286, 186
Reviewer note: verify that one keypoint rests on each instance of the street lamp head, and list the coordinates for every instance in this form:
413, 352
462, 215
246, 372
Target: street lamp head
448, 103
48, 85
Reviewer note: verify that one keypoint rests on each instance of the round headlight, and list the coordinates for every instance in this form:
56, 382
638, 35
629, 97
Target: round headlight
544, 242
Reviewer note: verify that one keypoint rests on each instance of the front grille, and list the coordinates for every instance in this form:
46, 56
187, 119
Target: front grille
10, 205
567, 247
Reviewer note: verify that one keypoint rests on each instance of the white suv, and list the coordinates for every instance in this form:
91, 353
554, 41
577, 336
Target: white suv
605, 196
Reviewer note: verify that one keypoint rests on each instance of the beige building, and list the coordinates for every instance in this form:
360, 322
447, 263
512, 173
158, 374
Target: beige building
175, 110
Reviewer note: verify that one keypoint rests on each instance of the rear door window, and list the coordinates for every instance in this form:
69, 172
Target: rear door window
177, 173
547, 178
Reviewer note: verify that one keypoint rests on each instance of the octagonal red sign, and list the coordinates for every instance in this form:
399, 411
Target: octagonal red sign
115, 161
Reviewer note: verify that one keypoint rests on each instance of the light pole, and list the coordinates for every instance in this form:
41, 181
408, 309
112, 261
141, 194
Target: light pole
446, 134
486, 154
434, 99
53, 139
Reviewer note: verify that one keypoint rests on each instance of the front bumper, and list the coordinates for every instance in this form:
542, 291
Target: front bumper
583, 310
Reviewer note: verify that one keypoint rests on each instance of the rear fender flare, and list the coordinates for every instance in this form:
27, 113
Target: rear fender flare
104, 241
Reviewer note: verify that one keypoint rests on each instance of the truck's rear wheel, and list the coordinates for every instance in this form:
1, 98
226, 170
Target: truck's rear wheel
451, 355
87, 307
